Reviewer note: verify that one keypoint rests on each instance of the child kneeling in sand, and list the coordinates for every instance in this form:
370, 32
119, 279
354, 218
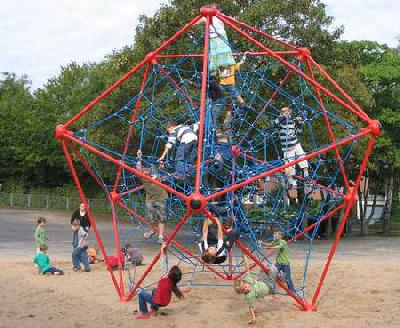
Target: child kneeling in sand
161, 296
257, 288
42, 260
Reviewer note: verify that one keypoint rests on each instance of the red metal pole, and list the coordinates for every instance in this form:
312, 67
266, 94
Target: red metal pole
297, 177
239, 185
203, 98
328, 125
156, 258
244, 249
133, 70
266, 35
84, 200
293, 68
181, 90
351, 200
334, 83
133, 118
178, 245
116, 233
125, 166
250, 53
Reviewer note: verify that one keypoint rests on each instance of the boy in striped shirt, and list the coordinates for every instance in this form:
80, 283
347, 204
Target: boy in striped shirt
185, 155
289, 127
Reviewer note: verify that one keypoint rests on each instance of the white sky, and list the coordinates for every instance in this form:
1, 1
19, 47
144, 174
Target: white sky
37, 37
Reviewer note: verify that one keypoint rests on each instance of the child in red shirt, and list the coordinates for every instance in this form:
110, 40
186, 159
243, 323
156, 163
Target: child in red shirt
161, 296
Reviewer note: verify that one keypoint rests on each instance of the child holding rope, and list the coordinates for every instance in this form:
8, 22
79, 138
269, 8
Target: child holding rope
289, 128
282, 262
186, 151
161, 296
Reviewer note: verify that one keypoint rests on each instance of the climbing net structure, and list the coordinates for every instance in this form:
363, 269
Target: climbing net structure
244, 176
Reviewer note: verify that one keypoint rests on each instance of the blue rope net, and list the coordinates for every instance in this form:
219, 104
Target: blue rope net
251, 146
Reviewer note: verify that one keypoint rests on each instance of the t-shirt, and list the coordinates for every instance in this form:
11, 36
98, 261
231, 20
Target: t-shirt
40, 236
259, 289
227, 75
282, 257
43, 261
83, 219
154, 193
82, 240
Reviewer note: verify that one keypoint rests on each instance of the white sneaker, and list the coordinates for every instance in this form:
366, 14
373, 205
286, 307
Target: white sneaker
148, 234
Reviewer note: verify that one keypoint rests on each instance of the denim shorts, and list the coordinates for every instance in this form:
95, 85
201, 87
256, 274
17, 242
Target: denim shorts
231, 89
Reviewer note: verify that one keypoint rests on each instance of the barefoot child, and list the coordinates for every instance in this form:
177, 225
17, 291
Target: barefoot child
256, 289
40, 234
161, 296
42, 260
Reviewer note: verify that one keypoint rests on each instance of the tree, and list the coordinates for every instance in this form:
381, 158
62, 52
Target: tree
16, 104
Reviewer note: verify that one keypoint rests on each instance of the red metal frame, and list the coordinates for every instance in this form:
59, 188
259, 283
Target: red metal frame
372, 130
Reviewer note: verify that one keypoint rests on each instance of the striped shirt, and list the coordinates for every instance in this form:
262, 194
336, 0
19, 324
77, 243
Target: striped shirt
289, 127
183, 134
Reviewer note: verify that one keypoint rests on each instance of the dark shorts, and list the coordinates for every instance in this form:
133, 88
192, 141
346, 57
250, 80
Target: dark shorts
156, 212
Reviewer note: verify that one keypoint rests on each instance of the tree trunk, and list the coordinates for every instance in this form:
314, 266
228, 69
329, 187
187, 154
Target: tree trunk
388, 202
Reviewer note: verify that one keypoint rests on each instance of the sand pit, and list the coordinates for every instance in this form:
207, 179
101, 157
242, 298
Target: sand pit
362, 290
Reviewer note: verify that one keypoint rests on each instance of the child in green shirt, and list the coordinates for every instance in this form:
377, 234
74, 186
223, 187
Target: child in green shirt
40, 234
42, 260
257, 288
282, 258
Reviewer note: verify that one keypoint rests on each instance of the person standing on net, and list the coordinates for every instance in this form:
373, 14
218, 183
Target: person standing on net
186, 136
156, 200
289, 127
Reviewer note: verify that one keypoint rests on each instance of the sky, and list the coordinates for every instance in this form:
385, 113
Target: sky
38, 37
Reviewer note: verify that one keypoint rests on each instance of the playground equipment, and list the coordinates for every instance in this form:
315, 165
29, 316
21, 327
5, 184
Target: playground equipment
249, 181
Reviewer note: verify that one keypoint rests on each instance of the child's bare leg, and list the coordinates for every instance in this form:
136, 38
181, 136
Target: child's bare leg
240, 99
161, 228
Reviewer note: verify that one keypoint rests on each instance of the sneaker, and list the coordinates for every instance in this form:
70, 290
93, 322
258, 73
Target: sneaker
76, 268
87, 270
143, 316
160, 239
148, 234
153, 313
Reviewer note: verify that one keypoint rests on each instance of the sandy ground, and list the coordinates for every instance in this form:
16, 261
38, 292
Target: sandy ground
362, 288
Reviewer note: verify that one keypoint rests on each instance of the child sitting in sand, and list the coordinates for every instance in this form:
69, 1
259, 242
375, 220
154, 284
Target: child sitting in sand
255, 289
42, 260
161, 296
133, 255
